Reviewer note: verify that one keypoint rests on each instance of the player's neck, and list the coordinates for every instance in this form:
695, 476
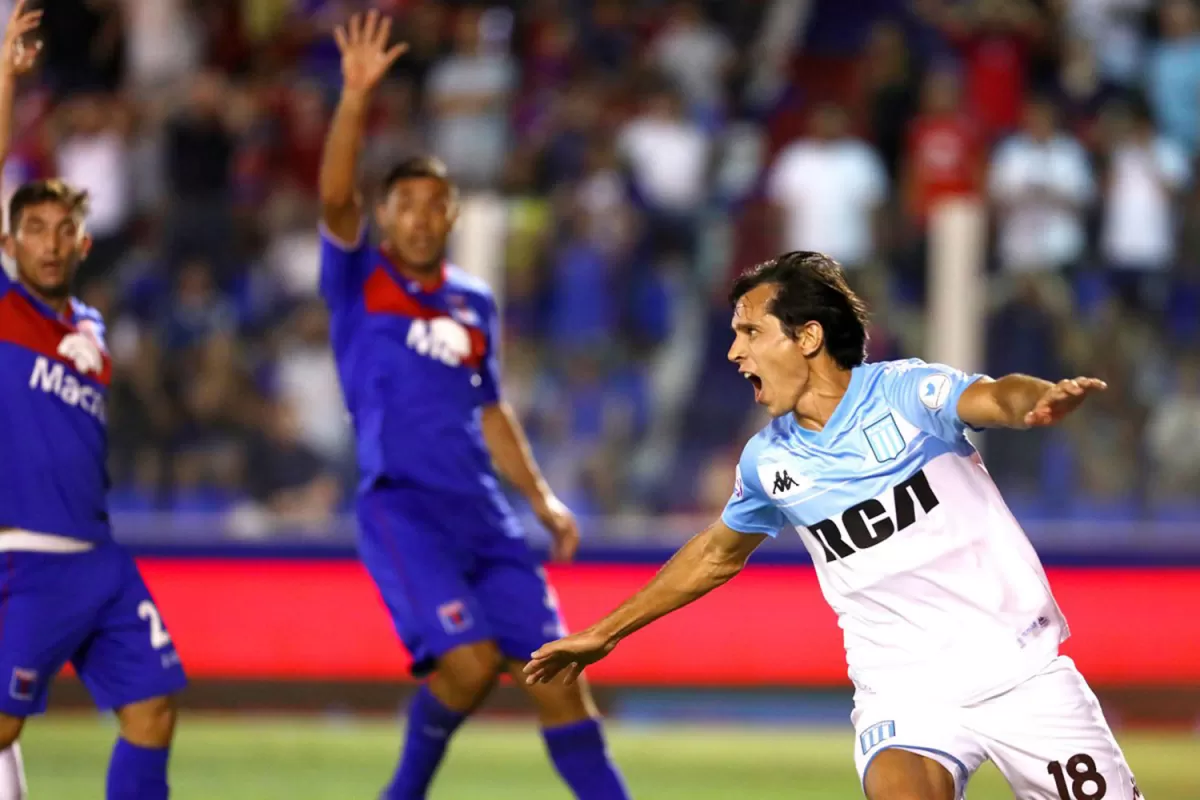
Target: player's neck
428, 275
821, 397
58, 304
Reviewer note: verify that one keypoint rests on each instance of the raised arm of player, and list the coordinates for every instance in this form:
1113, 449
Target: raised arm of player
708, 560
17, 57
1021, 401
366, 58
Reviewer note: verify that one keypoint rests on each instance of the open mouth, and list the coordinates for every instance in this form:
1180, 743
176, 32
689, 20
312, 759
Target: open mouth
755, 381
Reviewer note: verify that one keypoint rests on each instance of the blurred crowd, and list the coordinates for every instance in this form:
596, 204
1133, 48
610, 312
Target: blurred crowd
640, 152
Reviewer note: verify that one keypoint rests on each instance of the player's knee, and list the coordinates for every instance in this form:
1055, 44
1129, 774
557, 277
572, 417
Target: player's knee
559, 704
10, 730
466, 674
148, 723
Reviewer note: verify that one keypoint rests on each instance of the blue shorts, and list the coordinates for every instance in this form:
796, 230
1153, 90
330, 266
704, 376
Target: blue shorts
92, 609
454, 571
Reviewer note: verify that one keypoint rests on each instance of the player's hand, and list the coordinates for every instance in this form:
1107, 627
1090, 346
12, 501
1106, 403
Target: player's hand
366, 57
18, 54
561, 524
567, 656
1061, 399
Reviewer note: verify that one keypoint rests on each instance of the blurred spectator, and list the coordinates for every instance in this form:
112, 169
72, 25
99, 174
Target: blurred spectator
288, 478
828, 189
669, 159
1146, 173
468, 95
995, 40
1081, 90
608, 36
85, 44
1113, 29
303, 138
945, 157
307, 382
93, 154
163, 42
1173, 72
889, 92
394, 133
1040, 183
695, 54
1173, 436
198, 150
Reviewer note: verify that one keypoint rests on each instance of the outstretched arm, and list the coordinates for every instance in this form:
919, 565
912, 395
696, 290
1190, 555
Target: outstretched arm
708, 560
1021, 401
366, 58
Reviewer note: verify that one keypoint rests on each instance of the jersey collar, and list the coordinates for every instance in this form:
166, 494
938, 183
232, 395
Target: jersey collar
838, 418
67, 317
428, 286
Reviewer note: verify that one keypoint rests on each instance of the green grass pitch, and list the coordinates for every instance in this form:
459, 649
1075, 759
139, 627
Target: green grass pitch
314, 758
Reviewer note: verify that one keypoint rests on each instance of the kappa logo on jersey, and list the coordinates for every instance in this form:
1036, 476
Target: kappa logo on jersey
870, 522
877, 734
23, 684
52, 377
454, 616
781, 481
440, 338
933, 391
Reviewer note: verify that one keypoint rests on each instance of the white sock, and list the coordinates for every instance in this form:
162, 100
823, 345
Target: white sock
12, 774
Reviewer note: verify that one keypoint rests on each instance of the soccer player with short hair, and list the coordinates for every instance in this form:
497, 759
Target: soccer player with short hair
952, 634
416, 342
68, 592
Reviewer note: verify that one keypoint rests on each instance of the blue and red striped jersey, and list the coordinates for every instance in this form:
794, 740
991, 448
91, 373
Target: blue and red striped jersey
417, 363
54, 378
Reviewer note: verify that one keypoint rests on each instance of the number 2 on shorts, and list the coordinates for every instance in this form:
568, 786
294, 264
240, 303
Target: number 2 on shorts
1081, 770
159, 638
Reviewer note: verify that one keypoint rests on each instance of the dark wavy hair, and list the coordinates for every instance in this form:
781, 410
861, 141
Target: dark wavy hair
812, 288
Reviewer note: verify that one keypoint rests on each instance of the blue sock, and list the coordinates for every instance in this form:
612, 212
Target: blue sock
581, 758
430, 726
137, 773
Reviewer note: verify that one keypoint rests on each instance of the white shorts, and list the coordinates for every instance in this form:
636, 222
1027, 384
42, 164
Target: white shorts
1047, 736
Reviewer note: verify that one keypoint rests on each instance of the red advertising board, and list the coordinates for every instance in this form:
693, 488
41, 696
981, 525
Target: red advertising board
266, 619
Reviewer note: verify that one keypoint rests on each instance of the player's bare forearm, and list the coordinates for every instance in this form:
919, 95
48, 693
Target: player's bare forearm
1019, 401
708, 560
8, 89
1002, 403
340, 207
511, 453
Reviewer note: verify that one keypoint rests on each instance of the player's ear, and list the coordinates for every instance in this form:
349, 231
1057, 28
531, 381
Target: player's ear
9, 242
811, 338
85, 246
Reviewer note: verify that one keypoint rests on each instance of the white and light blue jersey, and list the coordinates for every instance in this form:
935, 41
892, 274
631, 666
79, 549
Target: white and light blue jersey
936, 587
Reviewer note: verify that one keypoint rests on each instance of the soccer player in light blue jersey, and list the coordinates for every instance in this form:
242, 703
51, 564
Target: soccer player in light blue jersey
951, 631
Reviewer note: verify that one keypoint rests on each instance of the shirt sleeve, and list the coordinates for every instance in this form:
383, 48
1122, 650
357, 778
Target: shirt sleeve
490, 372
749, 509
344, 268
927, 396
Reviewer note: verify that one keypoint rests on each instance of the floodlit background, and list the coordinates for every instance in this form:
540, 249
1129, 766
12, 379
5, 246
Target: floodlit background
1010, 184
